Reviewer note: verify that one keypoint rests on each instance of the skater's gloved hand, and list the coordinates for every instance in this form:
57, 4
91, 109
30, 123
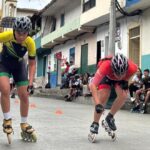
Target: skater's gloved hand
30, 89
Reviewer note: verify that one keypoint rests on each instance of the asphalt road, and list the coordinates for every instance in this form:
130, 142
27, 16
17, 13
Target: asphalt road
65, 125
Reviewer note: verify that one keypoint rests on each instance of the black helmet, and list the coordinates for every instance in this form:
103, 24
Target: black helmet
119, 64
22, 24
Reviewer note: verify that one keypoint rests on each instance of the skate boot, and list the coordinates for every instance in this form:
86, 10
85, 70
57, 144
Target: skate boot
7, 128
28, 133
109, 125
143, 109
93, 131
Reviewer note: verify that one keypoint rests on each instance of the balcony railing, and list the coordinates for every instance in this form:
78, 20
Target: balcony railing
60, 33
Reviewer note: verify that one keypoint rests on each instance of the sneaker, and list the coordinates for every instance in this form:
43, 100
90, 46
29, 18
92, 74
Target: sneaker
132, 99
143, 109
136, 108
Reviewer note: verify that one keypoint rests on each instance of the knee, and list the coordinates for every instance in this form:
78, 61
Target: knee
138, 92
5, 91
23, 96
148, 94
99, 108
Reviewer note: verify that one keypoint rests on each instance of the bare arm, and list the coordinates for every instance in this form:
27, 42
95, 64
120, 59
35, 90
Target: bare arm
93, 86
32, 68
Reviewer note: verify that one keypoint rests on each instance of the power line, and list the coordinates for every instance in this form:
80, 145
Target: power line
134, 13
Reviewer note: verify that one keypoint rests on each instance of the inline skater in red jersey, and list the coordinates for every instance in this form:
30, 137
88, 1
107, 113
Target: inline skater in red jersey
112, 72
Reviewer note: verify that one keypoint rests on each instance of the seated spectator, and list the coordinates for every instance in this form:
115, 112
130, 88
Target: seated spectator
145, 90
75, 87
85, 83
72, 69
136, 83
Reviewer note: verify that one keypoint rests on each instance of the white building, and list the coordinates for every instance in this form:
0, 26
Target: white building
78, 30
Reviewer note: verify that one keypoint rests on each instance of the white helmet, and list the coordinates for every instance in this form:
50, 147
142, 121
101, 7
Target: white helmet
119, 64
22, 24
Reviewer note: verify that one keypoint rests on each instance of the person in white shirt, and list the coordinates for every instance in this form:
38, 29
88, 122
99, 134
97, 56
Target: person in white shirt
136, 83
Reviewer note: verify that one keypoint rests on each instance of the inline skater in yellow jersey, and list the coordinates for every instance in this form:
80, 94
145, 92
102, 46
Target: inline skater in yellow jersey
15, 45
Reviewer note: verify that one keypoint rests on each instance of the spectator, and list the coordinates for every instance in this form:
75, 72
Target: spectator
144, 90
65, 72
72, 69
136, 83
65, 80
75, 87
85, 85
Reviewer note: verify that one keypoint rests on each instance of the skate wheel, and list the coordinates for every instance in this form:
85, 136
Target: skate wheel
91, 137
28, 137
23, 137
33, 137
9, 138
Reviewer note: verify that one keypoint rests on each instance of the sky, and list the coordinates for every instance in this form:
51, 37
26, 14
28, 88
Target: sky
32, 4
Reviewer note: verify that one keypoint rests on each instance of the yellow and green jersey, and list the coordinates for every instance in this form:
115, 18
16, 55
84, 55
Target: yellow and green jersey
14, 49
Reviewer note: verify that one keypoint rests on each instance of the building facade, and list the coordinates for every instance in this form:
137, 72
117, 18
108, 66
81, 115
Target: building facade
79, 31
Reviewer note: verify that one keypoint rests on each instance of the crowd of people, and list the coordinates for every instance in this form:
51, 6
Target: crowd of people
78, 84
140, 90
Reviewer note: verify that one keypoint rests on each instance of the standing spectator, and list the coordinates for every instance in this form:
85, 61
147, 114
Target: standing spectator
65, 72
65, 82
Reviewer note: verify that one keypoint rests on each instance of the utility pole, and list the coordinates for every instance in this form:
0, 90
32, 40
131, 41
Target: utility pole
112, 28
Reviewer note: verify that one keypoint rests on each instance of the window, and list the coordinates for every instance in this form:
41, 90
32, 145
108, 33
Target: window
62, 21
134, 45
88, 4
53, 26
11, 10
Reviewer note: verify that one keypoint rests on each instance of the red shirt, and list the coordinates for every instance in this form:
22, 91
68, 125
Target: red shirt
105, 69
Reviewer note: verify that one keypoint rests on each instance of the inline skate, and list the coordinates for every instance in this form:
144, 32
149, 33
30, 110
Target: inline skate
7, 128
109, 125
93, 132
28, 133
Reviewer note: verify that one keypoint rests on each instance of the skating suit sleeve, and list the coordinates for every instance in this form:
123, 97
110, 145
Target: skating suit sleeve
132, 69
31, 47
104, 69
6, 36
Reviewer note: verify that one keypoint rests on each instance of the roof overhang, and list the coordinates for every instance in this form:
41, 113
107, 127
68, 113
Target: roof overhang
53, 7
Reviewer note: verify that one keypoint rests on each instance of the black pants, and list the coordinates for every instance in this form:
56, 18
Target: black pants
132, 88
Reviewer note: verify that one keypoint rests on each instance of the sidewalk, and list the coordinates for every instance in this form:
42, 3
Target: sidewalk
59, 94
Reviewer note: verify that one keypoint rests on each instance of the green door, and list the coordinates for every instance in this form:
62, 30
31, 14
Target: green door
84, 58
